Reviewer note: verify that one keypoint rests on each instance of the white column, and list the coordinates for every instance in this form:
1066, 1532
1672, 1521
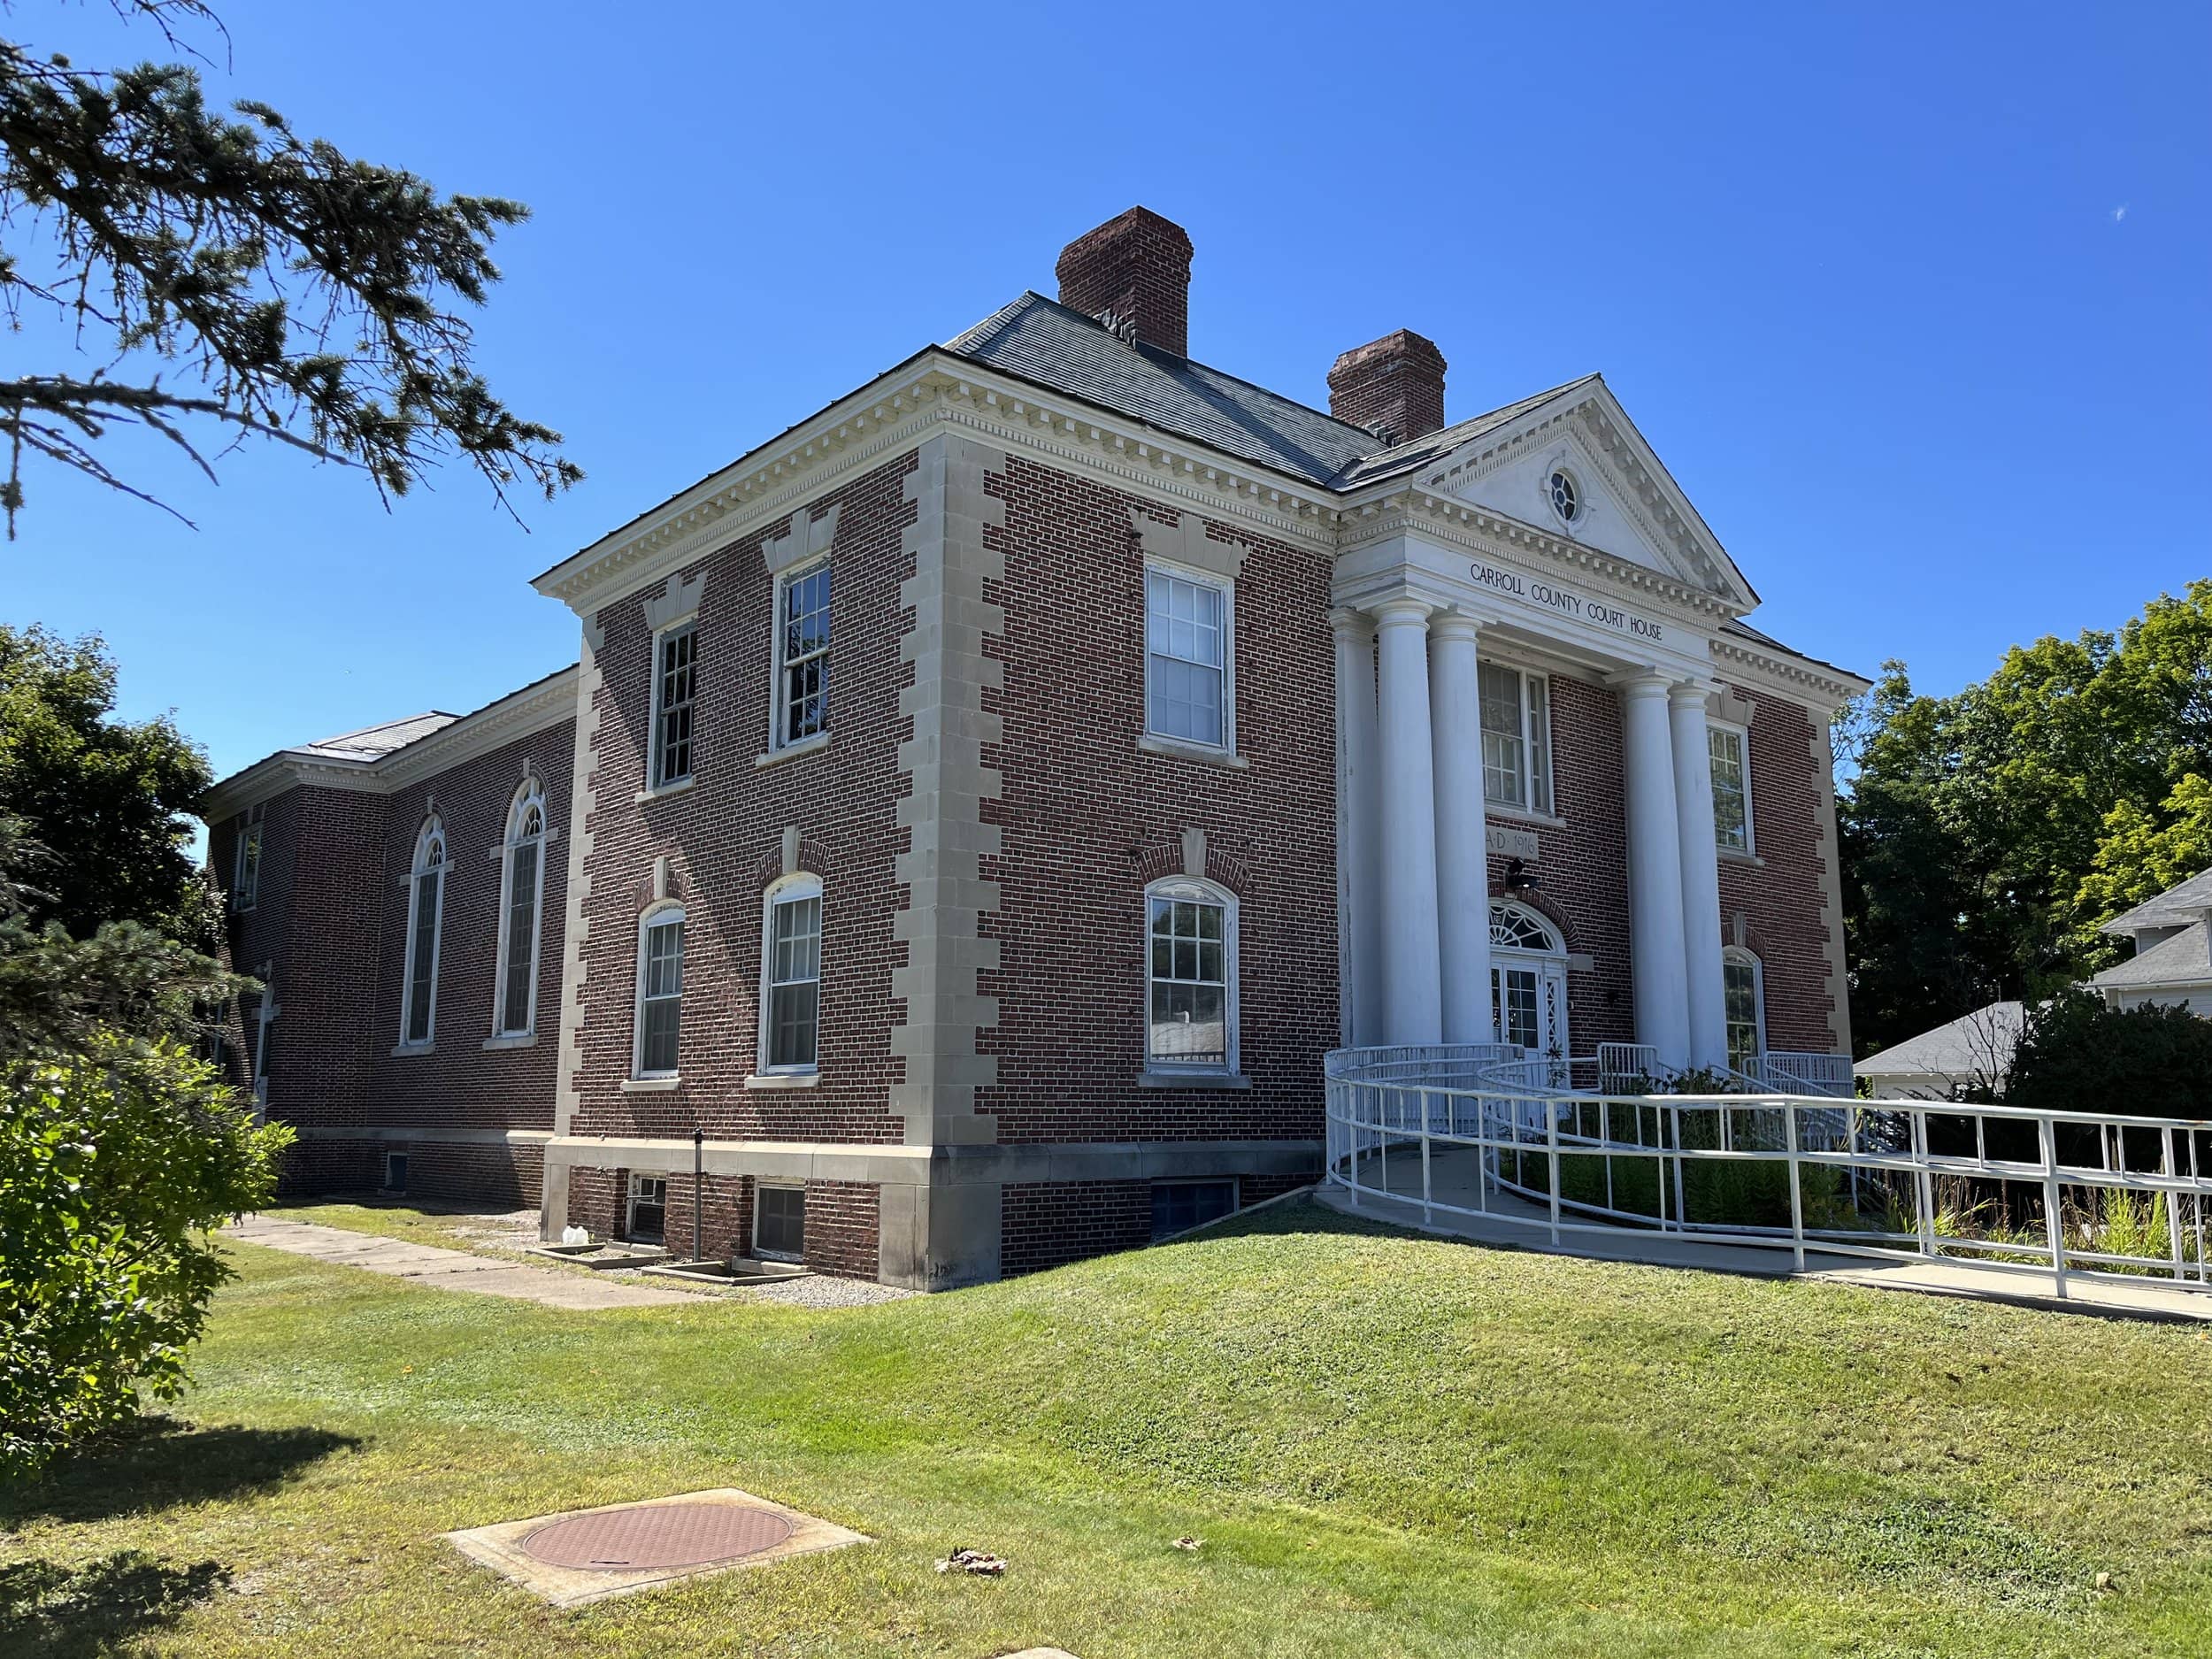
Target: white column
1358, 787
1655, 871
1412, 1009
1701, 875
1463, 871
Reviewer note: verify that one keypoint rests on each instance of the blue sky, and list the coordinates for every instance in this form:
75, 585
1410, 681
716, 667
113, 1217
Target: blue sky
1912, 300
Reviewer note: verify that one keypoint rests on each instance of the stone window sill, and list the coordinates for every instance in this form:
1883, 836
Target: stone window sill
649, 1084
1193, 1080
661, 792
1199, 753
792, 751
1737, 855
1521, 815
783, 1079
413, 1047
513, 1039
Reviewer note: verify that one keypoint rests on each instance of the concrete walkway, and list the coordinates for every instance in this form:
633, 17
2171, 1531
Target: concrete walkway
453, 1269
1525, 1226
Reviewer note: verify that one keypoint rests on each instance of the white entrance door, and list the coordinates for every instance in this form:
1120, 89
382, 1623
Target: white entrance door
1528, 981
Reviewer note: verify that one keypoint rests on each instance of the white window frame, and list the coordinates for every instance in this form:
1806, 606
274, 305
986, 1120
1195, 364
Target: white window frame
657, 915
432, 833
793, 888
1226, 586
654, 781
1534, 743
531, 793
778, 701
1742, 734
1548, 966
1738, 957
245, 876
1190, 889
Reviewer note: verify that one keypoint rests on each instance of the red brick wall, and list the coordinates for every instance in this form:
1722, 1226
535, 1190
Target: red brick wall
460, 1084
722, 837
840, 1228
1778, 899
1049, 1224
1080, 805
1137, 266
1583, 864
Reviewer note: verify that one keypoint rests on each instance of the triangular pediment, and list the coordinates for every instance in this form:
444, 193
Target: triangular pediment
1575, 466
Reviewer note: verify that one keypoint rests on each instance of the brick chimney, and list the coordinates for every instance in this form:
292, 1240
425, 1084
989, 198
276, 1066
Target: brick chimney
1138, 268
1393, 385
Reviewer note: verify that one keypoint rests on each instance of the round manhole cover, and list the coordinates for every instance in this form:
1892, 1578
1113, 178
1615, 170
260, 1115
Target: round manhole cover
663, 1535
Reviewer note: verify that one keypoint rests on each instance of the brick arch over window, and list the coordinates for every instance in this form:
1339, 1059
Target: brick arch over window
769, 868
1739, 931
1164, 856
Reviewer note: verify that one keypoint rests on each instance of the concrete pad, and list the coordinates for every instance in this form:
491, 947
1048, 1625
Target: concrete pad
500, 1548
452, 1270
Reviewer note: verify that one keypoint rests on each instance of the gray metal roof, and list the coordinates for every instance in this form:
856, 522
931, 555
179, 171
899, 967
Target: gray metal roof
2183, 902
1972, 1044
373, 742
2185, 959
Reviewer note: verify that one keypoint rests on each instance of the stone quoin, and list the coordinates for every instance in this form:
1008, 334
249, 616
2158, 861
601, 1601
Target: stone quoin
971, 817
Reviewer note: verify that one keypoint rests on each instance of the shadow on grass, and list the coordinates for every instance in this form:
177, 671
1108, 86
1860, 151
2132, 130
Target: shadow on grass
52, 1611
160, 1462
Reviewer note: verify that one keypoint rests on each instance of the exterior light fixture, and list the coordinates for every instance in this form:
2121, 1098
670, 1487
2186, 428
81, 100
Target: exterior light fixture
1519, 878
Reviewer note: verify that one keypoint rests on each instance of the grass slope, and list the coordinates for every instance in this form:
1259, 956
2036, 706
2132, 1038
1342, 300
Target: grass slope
1390, 1446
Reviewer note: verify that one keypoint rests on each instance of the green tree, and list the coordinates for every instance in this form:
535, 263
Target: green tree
103, 802
227, 275
120, 1151
1986, 835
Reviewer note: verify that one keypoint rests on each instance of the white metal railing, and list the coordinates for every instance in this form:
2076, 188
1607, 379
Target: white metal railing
1796, 1072
1483, 1131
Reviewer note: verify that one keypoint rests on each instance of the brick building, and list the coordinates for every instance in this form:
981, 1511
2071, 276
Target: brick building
1180, 734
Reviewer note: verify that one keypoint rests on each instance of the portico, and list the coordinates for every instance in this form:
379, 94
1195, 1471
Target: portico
1416, 622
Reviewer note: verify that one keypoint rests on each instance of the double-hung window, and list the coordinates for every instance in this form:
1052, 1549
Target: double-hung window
426, 902
1190, 978
245, 886
1516, 738
660, 991
802, 646
791, 974
1187, 656
523, 890
675, 690
1732, 786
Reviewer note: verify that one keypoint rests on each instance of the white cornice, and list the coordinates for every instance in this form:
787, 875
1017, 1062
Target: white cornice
895, 413
1475, 529
1815, 685
514, 716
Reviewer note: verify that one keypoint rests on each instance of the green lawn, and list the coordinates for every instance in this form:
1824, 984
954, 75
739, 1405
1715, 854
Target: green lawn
1390, 1446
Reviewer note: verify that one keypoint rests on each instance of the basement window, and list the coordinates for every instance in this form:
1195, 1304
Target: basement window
1178, 1206
647, 1221
779, 1222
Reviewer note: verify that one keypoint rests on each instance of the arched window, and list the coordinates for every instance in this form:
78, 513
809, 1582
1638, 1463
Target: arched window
1190, 975
426, 904
521, 901
660, 991
1743, 995
1528, 979
791, 976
